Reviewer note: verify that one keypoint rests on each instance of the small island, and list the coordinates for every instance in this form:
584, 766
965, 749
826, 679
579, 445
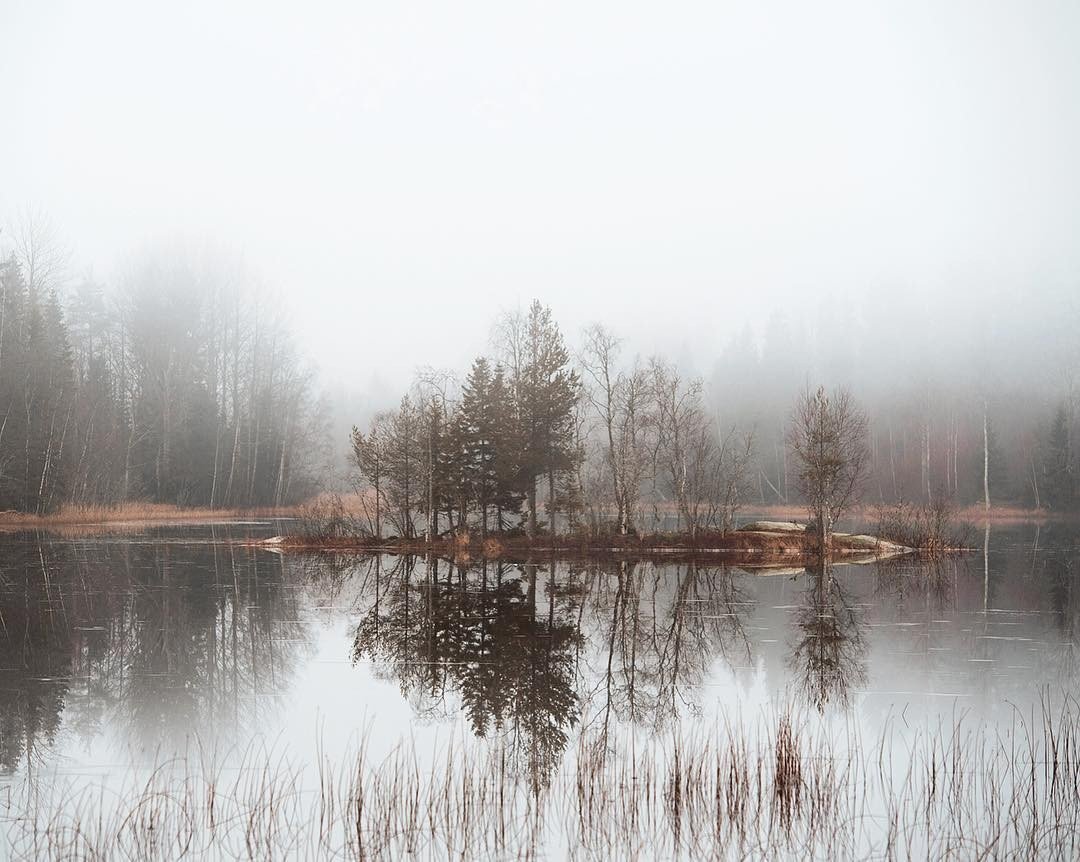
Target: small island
760, 543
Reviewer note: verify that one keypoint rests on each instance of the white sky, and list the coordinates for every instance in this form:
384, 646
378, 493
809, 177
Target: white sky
674, 169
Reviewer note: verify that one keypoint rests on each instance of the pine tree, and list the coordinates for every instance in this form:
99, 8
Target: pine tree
546, 394
478, 432
506, 432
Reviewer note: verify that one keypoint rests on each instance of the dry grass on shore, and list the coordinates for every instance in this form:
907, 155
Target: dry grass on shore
975, 513
131, 514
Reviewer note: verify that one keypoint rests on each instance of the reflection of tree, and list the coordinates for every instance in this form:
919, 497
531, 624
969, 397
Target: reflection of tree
172, 640
919, 591
35, 652
1059, 570
1064, 597
664, 628
205, 640
829, 655
477, 631
928, 583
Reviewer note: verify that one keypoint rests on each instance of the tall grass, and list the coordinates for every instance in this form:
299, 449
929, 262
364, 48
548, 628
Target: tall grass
131, 513
782, 786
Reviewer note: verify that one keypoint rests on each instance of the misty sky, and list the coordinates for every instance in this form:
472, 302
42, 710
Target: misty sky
675, 169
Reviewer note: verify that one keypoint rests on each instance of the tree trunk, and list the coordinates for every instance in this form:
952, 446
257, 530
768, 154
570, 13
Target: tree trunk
433, 517
551, 502
532, 509
378, 506
986, 461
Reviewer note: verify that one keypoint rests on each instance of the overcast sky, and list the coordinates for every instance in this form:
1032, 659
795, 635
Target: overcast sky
675, 169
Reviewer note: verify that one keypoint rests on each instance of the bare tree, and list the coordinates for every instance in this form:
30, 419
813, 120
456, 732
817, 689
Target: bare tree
41, 252
369, 458
619, 400
828, 438
703, 470
986, 459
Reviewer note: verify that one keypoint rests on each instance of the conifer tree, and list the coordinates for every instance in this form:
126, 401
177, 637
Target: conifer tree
1058, 463
478, 431
547, 391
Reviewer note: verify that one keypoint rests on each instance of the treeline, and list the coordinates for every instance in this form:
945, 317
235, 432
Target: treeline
181, 386
942, 392
537, 437
535, 441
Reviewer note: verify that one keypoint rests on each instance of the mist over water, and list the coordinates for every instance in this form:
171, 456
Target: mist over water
524, 310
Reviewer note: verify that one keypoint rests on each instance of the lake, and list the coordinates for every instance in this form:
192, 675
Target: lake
178, 693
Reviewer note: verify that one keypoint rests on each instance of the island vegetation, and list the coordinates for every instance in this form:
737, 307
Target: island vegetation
179, 387
537, 452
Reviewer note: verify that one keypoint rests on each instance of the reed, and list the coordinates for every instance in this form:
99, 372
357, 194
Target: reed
132, 513
781, 786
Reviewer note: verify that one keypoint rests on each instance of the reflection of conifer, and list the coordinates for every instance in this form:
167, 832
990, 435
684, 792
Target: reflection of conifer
479, 632
35, 659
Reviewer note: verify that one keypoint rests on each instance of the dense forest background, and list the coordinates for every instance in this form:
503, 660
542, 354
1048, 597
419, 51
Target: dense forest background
181, 382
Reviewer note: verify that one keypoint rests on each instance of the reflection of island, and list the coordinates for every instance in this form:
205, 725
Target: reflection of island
662, 629
517, 654
477, 631
162, 642
828, 658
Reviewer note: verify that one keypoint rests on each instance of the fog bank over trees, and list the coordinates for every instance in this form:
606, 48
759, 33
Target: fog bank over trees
182, 380
770, 197
674, 173
180, 384
599, 440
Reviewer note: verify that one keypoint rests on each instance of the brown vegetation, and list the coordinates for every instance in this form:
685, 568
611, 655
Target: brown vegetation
132, 514
756, 547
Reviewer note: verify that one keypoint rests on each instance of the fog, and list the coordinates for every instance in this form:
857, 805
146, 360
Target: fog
885, 193
403, 173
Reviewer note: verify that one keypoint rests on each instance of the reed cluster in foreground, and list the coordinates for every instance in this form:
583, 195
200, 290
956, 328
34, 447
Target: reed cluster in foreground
780, 787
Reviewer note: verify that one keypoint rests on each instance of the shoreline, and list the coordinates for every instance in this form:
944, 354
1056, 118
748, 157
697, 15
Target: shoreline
755, 547
974, 513
136, 515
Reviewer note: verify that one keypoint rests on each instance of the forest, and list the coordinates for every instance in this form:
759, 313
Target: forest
182, 385
536, 437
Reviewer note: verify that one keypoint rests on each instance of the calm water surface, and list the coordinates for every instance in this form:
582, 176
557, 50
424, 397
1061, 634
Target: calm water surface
121, 653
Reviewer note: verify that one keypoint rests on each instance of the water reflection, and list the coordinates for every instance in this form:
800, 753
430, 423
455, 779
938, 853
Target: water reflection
110, 646
828, 656
478, 631
660, 629
158, 643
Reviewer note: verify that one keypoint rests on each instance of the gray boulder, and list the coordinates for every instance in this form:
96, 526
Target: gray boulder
772, 527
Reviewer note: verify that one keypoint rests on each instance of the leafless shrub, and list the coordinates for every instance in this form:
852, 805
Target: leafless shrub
929, 527
329, 518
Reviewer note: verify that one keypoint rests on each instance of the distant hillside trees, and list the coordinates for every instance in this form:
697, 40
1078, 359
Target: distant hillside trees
1057, 464
37, 395
182, 387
